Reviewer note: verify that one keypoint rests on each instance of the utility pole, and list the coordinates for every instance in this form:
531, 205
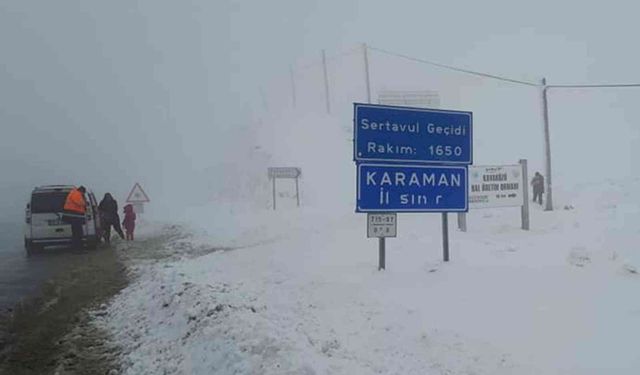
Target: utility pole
264, 99
547, 148
326, 80
293, 86
366, 71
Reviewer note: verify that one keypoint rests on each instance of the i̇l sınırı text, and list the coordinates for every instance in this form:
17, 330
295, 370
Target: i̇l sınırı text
423, 179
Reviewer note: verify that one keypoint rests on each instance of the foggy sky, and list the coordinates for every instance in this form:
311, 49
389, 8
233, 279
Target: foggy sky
107, 93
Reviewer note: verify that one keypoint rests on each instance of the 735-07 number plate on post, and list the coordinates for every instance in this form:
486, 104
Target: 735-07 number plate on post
382, 225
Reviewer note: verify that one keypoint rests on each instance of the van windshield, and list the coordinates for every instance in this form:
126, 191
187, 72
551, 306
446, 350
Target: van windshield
48, 202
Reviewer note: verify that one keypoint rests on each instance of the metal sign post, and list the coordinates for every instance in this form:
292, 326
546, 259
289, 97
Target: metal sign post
381, 254
524, 210
462, 221
445, 237
284, 172
381, 226
297, 193
274, 192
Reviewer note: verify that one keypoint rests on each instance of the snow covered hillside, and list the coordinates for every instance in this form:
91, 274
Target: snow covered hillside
297, 290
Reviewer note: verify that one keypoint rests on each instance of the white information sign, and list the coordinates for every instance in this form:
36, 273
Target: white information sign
284, 172
495, 186
138, 208
382, 225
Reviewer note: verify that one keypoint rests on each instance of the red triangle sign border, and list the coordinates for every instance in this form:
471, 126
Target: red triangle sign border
145, 198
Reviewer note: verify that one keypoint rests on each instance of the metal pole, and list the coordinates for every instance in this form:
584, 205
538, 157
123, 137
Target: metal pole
547, 147
293, 86
524, 210
297, 193
326, 80
366, 71
462, 221
381, 253
264, 99
445, 237
274, 193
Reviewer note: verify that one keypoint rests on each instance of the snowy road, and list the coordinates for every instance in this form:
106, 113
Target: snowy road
22, 276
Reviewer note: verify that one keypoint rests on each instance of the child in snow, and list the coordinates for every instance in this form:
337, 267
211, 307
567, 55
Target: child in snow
129, 222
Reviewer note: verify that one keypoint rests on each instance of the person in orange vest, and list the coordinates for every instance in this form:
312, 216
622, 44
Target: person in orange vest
75, 208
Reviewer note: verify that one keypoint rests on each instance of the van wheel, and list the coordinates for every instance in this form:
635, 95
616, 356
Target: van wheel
30, 247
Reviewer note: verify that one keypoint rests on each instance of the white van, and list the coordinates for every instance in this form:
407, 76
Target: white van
44, 226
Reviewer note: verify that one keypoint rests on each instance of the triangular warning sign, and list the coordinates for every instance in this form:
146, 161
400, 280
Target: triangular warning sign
138, 195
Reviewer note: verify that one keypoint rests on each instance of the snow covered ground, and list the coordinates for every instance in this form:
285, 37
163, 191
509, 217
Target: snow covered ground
297, 291
559, 299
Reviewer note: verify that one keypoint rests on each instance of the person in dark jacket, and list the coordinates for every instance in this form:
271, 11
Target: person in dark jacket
108, 209
538, 187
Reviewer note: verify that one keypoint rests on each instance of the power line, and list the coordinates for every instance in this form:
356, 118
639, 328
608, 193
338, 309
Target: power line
471, 72
449, 67
589, 86
506, 79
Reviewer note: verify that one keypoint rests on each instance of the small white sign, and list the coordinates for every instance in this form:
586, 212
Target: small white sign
284, 172
410, 98
495, 186
382, 224
138, 208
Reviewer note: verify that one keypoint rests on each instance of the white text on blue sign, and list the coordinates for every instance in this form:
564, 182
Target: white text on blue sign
402, 134
411, 188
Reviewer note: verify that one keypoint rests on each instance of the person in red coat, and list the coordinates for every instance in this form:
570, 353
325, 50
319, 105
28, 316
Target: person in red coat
129, 222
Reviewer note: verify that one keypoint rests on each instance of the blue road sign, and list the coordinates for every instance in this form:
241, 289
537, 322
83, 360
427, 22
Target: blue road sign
411, 135
411, 188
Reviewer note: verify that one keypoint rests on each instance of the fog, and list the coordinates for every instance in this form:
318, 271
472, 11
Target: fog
175, 94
